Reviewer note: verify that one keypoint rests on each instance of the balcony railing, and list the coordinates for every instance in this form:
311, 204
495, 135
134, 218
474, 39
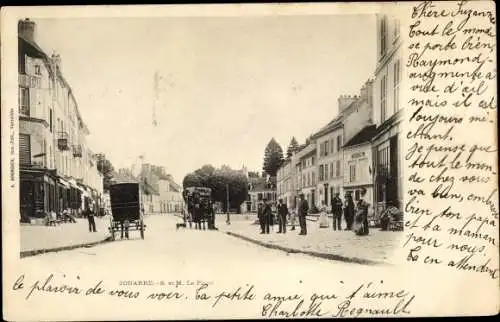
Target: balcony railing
77, 151
62, 141
29, 81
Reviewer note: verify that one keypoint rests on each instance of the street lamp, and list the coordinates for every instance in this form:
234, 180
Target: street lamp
228, 220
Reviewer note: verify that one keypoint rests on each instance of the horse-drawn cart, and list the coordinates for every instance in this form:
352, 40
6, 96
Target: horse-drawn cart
126, 209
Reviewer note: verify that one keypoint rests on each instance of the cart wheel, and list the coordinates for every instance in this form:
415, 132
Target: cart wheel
142, 230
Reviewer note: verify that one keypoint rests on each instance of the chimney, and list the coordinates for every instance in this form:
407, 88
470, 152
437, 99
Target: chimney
367, 93
345, 101
56, 60
26, 29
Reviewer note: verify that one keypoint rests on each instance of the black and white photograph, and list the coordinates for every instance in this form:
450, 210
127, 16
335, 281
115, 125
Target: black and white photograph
254, 164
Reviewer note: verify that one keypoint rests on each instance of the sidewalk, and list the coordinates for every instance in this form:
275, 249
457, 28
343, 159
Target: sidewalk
376, 248
41, 239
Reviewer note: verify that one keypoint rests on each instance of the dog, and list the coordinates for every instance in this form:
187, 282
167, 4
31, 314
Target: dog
179, 225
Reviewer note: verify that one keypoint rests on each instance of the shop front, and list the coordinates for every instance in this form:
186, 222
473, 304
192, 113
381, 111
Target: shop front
37, 193
388, 172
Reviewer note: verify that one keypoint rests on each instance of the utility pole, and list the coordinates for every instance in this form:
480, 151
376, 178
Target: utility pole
228, 220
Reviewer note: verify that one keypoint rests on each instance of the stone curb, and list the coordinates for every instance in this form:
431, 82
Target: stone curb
332, 257
29, 253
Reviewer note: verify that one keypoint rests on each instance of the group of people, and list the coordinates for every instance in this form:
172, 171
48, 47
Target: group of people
201, 212
355, 214
265, 215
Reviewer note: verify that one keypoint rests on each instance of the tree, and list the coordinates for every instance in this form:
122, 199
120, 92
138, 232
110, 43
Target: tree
273, 158
105, 167
219, 180
292, 147
253, 174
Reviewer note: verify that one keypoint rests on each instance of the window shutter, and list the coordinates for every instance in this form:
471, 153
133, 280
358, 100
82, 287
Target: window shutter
24, 149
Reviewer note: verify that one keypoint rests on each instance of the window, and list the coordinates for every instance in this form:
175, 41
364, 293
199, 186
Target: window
326, 171
313, 160
321, 176
339, 142
51, 120
24, 101
352, 172
383, 36
326, 148
37, 70
383, 98
331, 170
313, 178
397, 79
304, 180
337, 168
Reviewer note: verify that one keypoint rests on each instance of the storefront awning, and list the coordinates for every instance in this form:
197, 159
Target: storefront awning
64, 182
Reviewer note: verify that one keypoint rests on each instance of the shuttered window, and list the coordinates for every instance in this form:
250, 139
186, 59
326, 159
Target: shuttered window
24, 149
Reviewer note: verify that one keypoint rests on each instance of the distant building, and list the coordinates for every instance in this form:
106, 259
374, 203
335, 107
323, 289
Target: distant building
259, 189
285, 182
305, 171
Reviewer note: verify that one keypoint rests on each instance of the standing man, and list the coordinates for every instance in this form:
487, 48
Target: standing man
267, 214
337, 211
303, 209
260, 214
282, 213
90, 217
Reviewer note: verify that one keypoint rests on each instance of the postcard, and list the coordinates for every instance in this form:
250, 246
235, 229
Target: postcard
236, 161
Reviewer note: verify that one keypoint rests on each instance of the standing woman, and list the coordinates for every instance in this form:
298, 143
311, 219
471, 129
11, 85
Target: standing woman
349, 211
361, 220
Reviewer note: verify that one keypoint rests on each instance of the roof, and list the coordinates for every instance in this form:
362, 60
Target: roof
260, 183
388, 123
365, 135
35, 50
332, 125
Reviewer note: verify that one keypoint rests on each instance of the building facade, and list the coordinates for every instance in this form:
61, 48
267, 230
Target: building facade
329, 154
387, 115
358, 171
259, 188
170, 198
57, 168
306, 168
285, 182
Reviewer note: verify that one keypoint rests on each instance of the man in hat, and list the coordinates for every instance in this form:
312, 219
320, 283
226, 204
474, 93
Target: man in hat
337, 211
267, 215
282, 213
303, 209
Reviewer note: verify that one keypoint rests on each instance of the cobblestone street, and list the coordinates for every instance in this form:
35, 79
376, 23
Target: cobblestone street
378, 246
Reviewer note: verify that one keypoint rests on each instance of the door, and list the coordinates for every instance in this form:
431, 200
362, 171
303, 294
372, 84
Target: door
392, 179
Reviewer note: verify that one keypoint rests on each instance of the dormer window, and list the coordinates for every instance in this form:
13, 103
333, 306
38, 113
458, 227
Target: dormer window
37, 70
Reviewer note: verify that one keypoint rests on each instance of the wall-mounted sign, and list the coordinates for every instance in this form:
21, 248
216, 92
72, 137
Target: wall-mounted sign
357, 155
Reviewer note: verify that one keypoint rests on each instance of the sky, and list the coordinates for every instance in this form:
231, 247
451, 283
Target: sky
228, 84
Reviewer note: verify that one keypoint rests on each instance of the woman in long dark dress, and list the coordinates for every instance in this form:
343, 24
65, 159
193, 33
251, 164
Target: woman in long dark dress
361, 219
